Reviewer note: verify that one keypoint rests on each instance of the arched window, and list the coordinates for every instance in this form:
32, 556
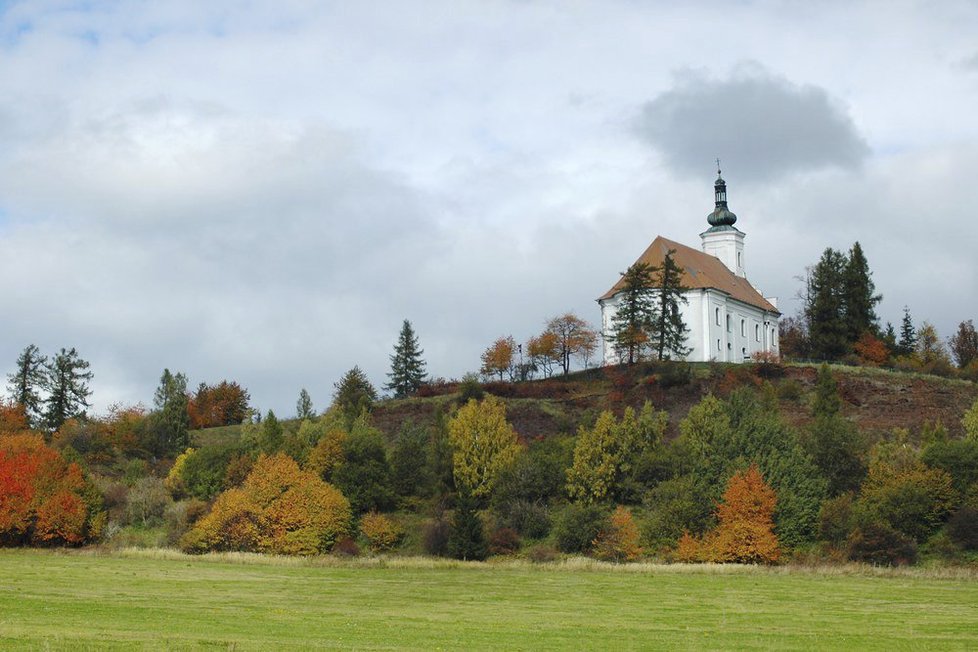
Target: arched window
718, 316
757, 332
743, 328
719, 348
728, 324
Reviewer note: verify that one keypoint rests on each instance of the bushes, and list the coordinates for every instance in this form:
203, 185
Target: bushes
881, 545
279, 509
577, 525
435, 535
962, 528
504, 541
382, 533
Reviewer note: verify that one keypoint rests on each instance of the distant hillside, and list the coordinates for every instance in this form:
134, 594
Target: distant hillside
877, 400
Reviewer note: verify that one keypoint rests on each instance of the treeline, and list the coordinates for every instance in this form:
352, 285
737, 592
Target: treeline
838, 323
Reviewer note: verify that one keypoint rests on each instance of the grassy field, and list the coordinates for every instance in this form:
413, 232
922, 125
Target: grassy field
164, 600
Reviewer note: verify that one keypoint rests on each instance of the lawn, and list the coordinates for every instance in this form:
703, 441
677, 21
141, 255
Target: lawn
166, 601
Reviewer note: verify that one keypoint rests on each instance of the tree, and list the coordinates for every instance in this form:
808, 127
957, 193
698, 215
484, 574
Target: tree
171, 420
27, 382
930, 348
498, 358
224, 404
871, 350
467, 540
619, 541
544, 352
964, 344
635, 313
573, 338
410, 475
859, 295
828, 331
272, 435
832, 441
353, 395
908, 335
483, 443
303, 407
365, 475
407, 372
970, 422
670, 332
745, 532
68, 386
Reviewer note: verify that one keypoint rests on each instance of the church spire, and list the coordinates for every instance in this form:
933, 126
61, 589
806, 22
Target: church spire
721, 215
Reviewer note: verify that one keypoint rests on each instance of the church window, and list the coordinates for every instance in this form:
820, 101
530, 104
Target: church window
718, 346
739, 263
743, 351
743, 328
718, 316
729, 327
757, 332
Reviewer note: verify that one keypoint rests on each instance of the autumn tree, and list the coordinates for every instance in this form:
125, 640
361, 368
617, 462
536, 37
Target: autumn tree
573, 338
303, 406
224, 404
544, 352
635, 313
483, 443
619, 540
963, 344
930, 347
68, 390
669, 331
407, 372
871, 350
25, 385
745, 532
498, 358
353, 395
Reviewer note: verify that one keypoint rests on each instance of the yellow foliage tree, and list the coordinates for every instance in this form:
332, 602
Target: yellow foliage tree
745, 532
327, 456
483, 444
279, 509
620, 540
382, 533
970, 421
174, 479
597, 455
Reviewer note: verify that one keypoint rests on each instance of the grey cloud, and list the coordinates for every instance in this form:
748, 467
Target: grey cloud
762, 126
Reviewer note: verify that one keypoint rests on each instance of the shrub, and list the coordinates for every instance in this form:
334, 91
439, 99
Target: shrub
881, 545
174, 479
914, 500
790, 390
529, 519
541, 554
346, 547
382, 533
836, 519
279, 509
675, 374
237, 470
674, 507
618, 541
504, 541
577, 525
470, 389
688, 549
962, 528
147, 502
204, 471
434, 537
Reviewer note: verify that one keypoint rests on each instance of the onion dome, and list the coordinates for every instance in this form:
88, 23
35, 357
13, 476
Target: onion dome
721, 215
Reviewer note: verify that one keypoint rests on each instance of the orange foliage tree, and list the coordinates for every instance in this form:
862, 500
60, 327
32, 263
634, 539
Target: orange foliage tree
574, 337
498, 358
44, 500
224, 404
745, 532
13, 418
620, 540
279, 509
544, 352
871, 350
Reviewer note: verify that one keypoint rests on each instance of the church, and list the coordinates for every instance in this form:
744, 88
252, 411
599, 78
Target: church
727, 318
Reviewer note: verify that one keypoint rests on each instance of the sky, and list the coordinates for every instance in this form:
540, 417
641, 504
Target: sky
264, 191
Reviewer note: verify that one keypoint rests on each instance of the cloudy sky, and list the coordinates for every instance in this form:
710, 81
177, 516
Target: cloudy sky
263, 191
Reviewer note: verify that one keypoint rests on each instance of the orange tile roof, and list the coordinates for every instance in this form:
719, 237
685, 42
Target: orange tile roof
700, 270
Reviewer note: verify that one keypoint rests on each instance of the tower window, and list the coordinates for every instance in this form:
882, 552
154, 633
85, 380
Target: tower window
739, 262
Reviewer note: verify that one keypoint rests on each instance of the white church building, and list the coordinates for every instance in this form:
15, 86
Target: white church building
728, 320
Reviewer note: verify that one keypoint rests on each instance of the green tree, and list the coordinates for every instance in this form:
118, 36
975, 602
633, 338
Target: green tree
832, 441
27, 382
410, 475
827, 402
467, 539
354, 395
170, 421
669, 332
483, 443
635, 313
964, 344
908, 335
930, 348
364, 477
828, 331
970, 422
859, 295
272, 435
407, 372
67, 383
303, 407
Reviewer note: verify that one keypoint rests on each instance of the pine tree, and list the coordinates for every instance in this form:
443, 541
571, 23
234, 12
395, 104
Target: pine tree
825, 309
636, 313
407, 372
27, 382
827, 403
858, 295
908, 335
353, 395
670, 330
171, 419
303, 407
467, 540
272, 435
68, 386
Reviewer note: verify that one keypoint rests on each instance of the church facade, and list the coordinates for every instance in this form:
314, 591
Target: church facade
727, 318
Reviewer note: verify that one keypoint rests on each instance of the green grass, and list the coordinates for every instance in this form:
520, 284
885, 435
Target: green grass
164, 600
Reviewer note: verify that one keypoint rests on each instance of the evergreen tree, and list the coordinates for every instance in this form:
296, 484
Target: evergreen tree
670, 332
832, 441
825, 309
303, 407
859, 295
407, 372
354, 394
467, 540
28, 381
67, 383
410, 475
636, 313
827, 403
171, 419
889, 337
272, 435
908, 335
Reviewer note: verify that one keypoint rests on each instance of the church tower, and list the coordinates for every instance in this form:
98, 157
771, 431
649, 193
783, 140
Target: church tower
723, 239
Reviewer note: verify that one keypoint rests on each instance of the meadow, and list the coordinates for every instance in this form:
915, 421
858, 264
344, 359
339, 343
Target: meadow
166, 600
